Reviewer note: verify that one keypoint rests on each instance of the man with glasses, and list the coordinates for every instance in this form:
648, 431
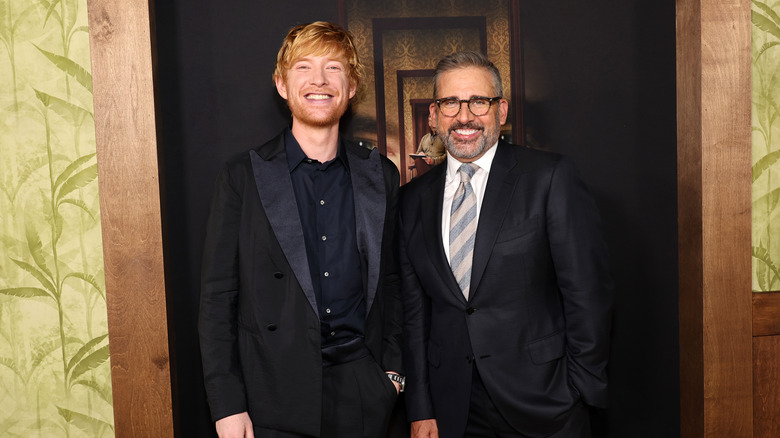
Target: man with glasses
506, 289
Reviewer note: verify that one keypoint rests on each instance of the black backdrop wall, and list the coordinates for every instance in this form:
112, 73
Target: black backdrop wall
600, 84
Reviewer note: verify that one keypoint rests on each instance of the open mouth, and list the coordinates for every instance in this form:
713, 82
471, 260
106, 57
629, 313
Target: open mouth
466, 131
318, 96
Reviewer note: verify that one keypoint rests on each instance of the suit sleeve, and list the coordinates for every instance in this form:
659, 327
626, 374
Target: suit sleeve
393, 310
416, 305
581, 265
218, 301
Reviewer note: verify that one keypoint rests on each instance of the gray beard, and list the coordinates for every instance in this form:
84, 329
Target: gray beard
465, 151
462, 150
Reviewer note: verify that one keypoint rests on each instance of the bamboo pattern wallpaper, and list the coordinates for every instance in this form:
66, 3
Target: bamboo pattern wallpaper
766, 145
54, 358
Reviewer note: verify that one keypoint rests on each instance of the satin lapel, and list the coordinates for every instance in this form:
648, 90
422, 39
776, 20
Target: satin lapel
368, 188
272, 177
501, 184
431, 202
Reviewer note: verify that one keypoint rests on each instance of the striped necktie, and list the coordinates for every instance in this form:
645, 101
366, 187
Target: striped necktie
463, 228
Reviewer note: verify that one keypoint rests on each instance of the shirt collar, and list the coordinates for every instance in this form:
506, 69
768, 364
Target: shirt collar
484, 162
296, 156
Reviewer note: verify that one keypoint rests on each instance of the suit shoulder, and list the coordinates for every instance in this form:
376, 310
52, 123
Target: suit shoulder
424, 181
389, 166
243, 158
356, 149
238, 160
537, 156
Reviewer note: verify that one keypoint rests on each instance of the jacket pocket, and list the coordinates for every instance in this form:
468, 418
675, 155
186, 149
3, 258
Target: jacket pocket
515, 230
547, 349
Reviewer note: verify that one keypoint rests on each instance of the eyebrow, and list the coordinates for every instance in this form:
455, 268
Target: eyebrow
458, 98
327, 59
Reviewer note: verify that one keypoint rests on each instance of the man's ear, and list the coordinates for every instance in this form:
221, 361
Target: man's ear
352, 89
433, 120
281, 87
503, 111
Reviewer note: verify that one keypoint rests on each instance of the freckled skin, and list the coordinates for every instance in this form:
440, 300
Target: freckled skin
317, 90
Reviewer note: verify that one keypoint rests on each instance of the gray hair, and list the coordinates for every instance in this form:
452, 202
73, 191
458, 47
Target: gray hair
467, 59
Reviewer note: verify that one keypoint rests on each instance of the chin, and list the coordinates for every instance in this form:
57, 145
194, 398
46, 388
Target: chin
466, 151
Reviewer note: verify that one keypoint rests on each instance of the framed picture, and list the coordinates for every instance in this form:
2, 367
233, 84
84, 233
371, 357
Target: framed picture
400, 43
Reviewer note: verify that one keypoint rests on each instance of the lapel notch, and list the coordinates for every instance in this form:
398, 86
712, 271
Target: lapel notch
274, 186
368, 188
500, 187
433, 195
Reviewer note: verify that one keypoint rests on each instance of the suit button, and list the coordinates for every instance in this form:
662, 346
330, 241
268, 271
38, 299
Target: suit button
471, 310
469, 359
271, 327
278, 275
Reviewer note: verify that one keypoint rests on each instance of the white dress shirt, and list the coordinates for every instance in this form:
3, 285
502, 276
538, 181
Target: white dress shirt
451, 183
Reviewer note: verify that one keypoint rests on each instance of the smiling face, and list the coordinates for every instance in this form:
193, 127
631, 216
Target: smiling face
317, 90
467, 137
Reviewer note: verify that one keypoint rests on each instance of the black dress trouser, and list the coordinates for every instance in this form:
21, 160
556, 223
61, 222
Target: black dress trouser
357, 400
485, 421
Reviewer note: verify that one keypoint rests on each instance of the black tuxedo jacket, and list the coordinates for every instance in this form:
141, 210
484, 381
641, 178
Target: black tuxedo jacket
537, 321
259, 325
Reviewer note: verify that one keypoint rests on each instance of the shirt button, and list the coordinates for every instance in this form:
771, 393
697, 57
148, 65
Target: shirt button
322, 202
324, 238
333, 333
327, 274
327, 310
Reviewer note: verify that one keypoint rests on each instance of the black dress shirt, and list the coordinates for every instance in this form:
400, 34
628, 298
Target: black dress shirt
323, 192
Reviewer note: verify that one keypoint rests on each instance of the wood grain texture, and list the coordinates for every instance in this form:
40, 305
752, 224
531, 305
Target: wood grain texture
123, 83
766, 381
766, 315
689, 193
713, 98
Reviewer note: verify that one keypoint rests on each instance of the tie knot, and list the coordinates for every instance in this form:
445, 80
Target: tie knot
467, 170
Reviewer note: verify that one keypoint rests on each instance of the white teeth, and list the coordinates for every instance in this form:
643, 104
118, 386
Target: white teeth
318, 96
466, 131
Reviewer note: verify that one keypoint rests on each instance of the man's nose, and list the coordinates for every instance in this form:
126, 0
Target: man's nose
319, 77
464, 115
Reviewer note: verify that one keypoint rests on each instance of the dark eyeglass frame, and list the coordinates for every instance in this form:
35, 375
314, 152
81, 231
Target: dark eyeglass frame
468, 102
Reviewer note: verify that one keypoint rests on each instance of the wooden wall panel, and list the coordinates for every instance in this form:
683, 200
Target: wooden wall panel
123, 83
713, 95
766, 314
766, 381
690, 217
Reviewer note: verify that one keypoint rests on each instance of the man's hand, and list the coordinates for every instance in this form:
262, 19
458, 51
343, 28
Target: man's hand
396, 384
235, 426
425, 429
428, 160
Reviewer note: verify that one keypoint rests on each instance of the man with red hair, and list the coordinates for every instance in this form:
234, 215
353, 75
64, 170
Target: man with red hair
300, 317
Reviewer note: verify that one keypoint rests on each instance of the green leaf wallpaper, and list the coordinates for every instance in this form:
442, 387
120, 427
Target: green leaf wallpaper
55, 376
765, 17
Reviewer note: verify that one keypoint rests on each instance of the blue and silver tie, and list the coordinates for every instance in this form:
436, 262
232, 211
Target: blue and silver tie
463, 228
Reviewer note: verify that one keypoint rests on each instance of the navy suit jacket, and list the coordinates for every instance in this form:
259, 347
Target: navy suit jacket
259, 324
537, 321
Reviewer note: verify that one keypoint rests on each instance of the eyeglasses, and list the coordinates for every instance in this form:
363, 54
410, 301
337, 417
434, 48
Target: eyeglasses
478, 105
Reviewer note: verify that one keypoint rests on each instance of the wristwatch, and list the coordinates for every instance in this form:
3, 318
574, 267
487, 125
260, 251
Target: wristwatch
401, 380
